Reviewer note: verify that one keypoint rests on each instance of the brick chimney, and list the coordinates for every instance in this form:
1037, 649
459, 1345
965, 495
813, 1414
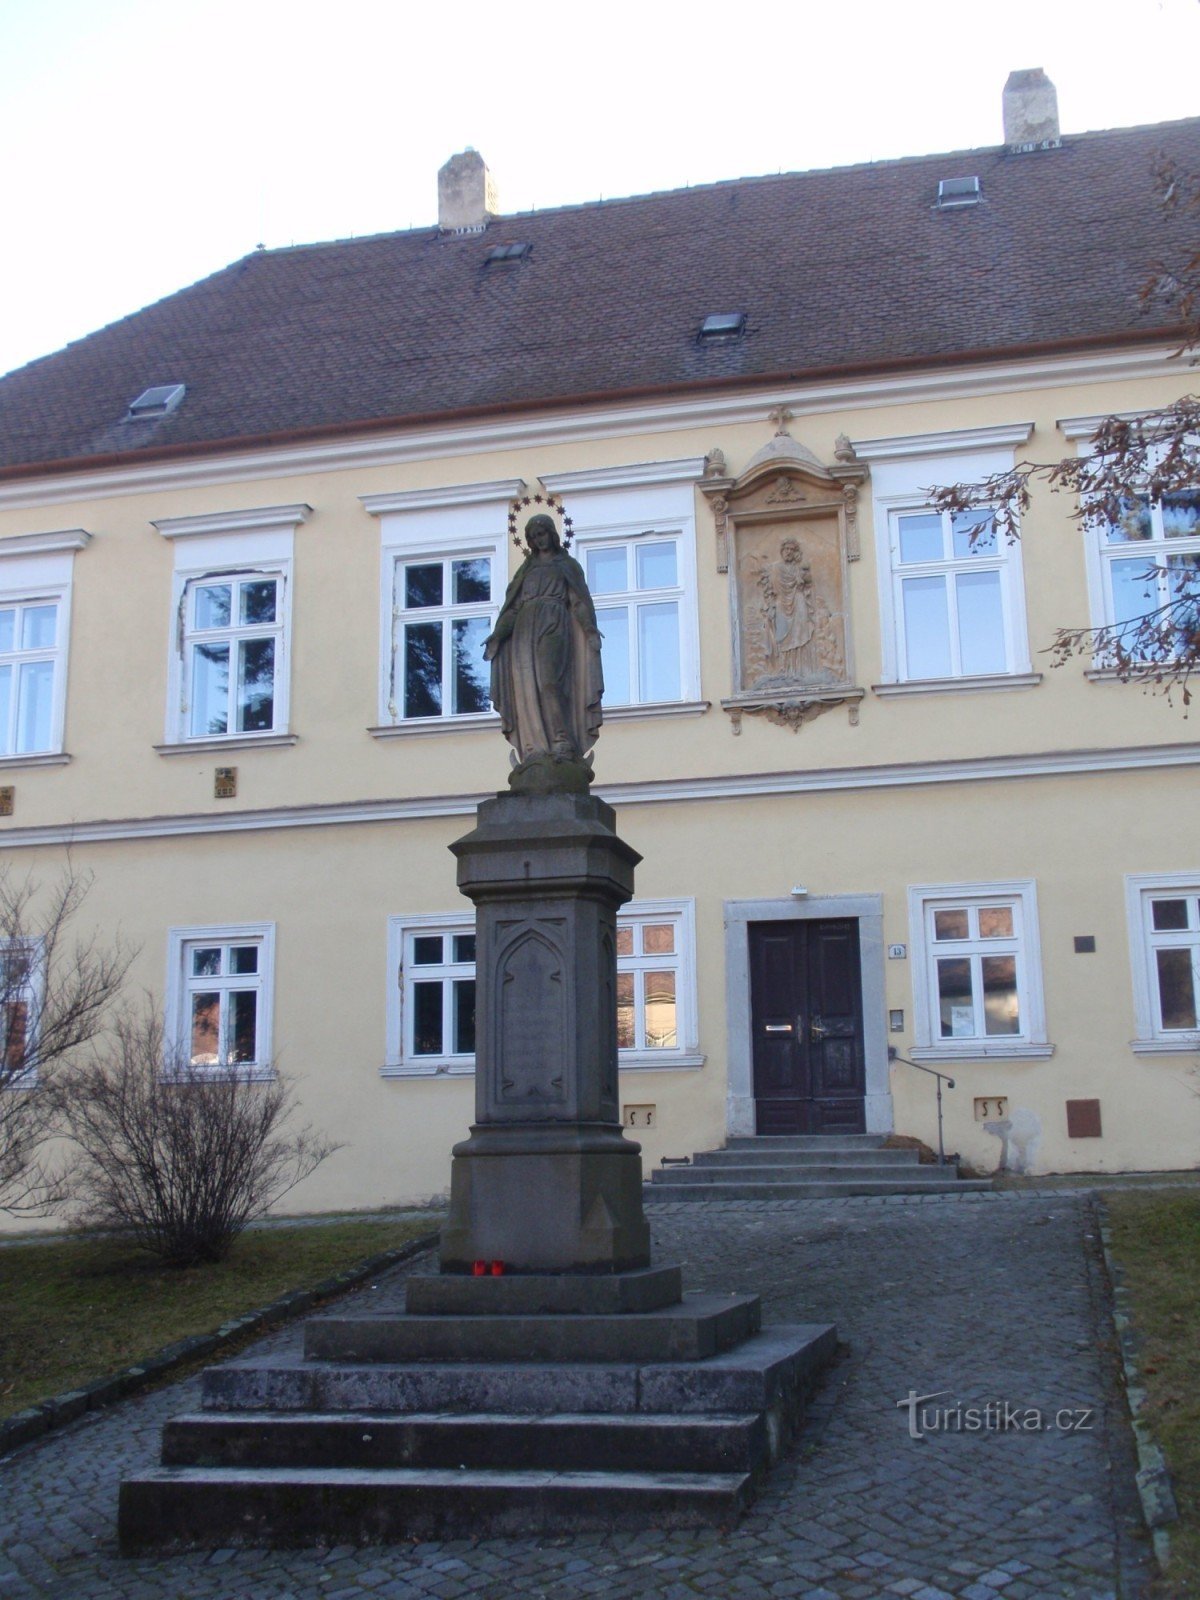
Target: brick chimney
467, 199
1030, 110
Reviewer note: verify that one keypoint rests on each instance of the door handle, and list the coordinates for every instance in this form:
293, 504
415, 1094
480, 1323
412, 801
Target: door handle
817, 1029
778, 1027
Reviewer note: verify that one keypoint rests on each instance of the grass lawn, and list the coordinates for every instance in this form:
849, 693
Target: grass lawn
77, 1309
1156, 1239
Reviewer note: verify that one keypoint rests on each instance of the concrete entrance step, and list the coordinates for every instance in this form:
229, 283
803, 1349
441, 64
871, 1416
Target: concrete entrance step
181, 1508
557, 1443
827, 1153
759, 1172
701, 1325
807, 1141
827, 1189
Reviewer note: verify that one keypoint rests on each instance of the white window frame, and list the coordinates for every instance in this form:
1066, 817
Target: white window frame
464, 523
227, 547
637, 504
902, 473
401, 1063
928, 1044
32, 993
1140, 889
38, 569
1100, 555
180, 942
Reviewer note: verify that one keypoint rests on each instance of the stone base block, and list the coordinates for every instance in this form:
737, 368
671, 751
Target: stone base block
565, 1211
552, 1294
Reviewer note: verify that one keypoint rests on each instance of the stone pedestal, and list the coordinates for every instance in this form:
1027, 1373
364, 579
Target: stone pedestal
547, 1181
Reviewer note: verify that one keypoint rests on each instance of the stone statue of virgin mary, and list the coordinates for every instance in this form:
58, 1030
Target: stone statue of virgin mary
546, 677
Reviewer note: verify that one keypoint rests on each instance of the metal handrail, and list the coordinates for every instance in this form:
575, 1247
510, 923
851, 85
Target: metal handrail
942, 1077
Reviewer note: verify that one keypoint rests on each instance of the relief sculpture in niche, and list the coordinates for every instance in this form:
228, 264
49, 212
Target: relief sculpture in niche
792, 630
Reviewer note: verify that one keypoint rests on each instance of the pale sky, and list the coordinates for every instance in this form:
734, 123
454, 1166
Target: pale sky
147, 143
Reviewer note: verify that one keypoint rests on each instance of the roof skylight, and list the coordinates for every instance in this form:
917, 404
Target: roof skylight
157, 401
959, 192
515, 251
723, 325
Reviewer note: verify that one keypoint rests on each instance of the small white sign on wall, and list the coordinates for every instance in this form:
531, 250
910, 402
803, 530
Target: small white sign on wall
897, 952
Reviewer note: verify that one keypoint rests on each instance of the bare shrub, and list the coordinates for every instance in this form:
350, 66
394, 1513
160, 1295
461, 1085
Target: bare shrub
55, 990
181, 1159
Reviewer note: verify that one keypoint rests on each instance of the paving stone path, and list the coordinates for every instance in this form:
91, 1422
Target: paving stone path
989, 1298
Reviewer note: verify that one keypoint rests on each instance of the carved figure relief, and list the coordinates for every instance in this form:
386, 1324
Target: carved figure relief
790, 632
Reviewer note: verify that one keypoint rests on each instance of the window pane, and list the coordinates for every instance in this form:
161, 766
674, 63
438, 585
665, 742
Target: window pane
471, 672
1183, 586
427, 950
995, 922
5, 708
34, 705
258, 601
926, 628
8, 626
472, 581
256, 685
464, 1017
212, 605
464, 947
606, 571
614, 654
625, 941
16, 1034
658, 651
980, 622
1134, 588
1176, 989
954, 998
952, 924
656, 566
1181, 514
206, 1020
210, 689
1168, 914
423, 669
660, 1011
38, 627
243, 1025
921, 537
1134, 522
658, 938
423, 585
243, 958
973, 533
1001, 1012
206, 963
625, 1015
427, 1019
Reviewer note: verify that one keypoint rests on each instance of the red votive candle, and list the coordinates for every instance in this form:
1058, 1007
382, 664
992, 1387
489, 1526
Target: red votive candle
497, 1269
478, 1269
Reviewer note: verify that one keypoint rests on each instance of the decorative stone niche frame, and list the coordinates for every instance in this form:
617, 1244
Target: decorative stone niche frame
786, 529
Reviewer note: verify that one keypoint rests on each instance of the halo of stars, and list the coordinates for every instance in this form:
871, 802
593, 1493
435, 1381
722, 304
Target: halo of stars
547, 502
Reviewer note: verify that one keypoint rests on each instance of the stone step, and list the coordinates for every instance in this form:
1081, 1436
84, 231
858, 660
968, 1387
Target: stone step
761, 1173
763, 1373
826, 1189
827, 1155
806, 1141
545, 1294
700, 1326
174, 1508
445, 1440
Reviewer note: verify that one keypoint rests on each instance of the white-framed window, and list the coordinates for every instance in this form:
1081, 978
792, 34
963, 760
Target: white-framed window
229, 668
951, 588
635, 537
1164, 942
444, 557
431, 999
977, 985
21, 989
35, 614
220, 987
1148, 559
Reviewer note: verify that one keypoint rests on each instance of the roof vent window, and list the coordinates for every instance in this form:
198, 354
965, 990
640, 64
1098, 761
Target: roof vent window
954, 192
723, 325
507, 252
156, 402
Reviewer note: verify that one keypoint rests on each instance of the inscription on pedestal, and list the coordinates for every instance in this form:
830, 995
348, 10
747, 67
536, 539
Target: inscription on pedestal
531, 999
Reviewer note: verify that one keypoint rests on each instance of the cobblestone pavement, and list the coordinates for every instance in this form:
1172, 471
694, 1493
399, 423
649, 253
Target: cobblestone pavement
986, 1297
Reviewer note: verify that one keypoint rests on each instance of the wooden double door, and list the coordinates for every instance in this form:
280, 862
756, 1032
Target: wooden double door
806, 1015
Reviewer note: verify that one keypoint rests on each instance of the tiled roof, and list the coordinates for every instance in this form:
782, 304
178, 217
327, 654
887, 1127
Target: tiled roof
850, 269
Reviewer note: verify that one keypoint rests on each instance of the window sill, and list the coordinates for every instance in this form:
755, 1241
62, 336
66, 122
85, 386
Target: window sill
1001, 680
432, 1068
661, 1061
49, 758
1140, 674
982, 1052
657, 708
405, 730
1190, 1045
228, 741
250, 1074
